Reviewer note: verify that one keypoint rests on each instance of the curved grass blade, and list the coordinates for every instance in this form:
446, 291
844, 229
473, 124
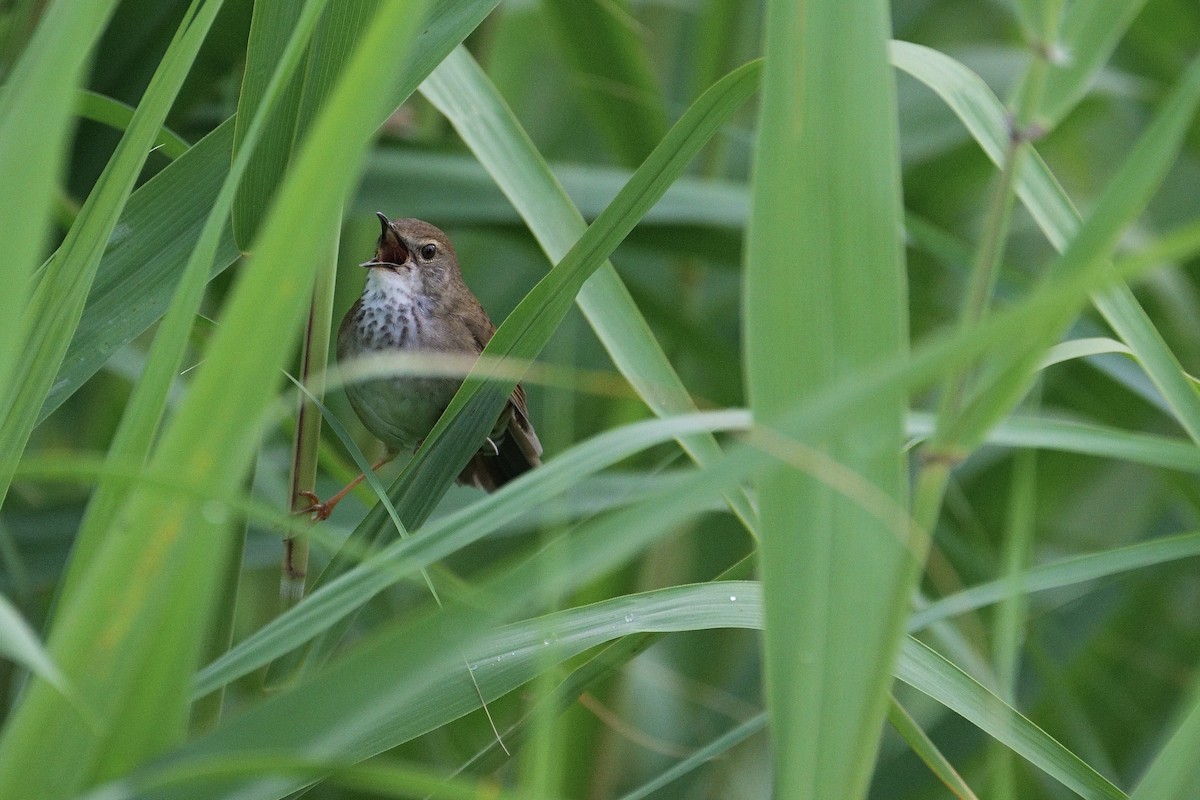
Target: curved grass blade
115, 114
983, 115
372, 711
345, 594
931, 674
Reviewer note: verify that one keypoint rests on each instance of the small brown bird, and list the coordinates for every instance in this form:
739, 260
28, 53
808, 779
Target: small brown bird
415, 300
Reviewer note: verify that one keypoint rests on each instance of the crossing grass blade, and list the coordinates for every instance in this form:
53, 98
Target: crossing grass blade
527, 329
54, 310
150, 245
115, 114
131, 643
146, 407
973, 102
463, 93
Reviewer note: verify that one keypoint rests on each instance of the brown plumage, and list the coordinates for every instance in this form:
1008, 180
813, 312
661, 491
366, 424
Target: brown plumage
415, 300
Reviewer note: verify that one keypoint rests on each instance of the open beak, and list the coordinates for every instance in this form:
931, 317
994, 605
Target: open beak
385, 226
389, 243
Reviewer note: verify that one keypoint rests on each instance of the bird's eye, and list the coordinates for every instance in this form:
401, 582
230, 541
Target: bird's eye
428, 252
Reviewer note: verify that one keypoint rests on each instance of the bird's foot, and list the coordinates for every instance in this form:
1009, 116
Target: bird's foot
318, 510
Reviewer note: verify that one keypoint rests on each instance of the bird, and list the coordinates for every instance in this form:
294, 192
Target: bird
416, 301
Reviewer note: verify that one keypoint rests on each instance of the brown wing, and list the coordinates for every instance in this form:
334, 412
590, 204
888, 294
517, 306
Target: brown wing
517, 450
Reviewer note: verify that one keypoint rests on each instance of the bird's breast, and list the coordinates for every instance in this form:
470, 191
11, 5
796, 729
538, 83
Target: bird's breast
386, 324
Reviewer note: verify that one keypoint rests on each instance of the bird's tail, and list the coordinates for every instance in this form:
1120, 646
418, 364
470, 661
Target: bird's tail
512, 454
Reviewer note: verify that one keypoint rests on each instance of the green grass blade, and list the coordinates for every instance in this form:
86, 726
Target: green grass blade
340, 27
928, 672
463, 93
703, 755
376, 778
337, 598
140, 423
20, 644
824, 298
35, 106
1174, 772
1071, 436
131, 635
456, 186
1059, 574
151, 244
927, 751
115, 114
54, 311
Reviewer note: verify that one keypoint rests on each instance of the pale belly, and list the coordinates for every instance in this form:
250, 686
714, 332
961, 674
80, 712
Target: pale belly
401, 411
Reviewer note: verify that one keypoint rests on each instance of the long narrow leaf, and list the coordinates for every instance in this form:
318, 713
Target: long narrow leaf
35, 104
372, 715
824, 298
984, 116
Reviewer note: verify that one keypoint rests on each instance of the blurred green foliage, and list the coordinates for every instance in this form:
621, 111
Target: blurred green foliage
1106, 667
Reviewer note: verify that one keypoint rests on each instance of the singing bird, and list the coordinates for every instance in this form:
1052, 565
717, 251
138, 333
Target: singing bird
415, 301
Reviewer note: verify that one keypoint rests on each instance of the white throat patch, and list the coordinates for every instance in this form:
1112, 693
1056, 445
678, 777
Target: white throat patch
391, 287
